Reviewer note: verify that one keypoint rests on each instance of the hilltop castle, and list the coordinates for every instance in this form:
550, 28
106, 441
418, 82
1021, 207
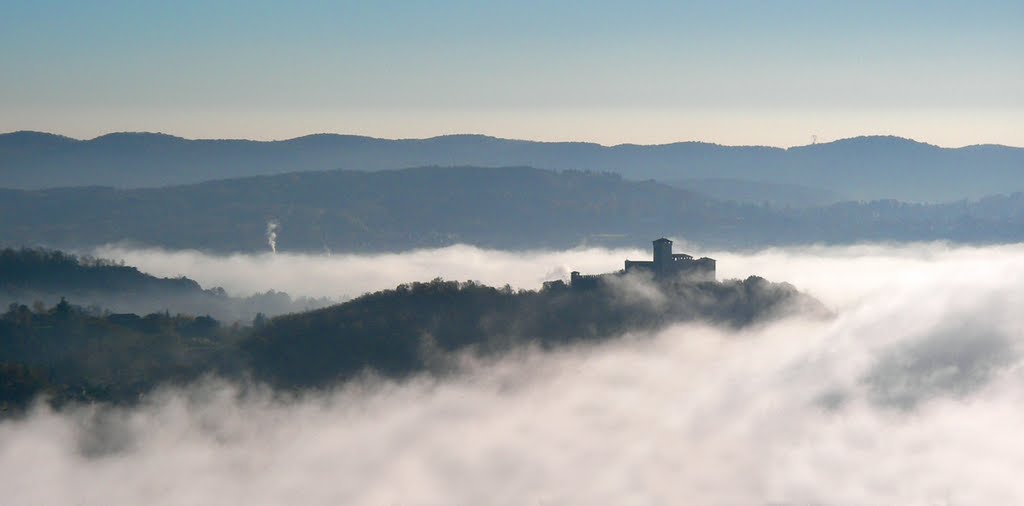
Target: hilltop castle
665, 265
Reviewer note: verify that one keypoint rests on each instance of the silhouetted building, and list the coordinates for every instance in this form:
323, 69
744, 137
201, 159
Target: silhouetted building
668, 264
577, 280
554, 285
665, 266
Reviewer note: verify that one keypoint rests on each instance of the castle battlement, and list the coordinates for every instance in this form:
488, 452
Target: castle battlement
665, 265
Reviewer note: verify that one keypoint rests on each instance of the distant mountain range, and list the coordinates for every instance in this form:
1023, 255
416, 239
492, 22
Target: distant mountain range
861, 168
505, 207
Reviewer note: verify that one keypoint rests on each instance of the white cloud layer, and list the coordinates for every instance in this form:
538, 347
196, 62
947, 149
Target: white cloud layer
911, 395
839, 276
350, 275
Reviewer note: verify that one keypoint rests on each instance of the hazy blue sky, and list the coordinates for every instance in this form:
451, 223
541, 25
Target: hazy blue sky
740, 72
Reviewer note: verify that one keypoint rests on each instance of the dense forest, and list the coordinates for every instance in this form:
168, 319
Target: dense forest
508, 208
68, 353
44, 277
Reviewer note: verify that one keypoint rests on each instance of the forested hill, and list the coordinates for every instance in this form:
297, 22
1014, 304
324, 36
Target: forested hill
73, 354
508, 208
362, 211
47, 270
33, 276
860, 168
419, 325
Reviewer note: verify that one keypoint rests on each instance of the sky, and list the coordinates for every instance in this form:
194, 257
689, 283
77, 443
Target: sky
777, 73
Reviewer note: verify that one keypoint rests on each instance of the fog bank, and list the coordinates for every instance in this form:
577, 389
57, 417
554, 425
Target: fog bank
839, 276
911, 395
345, 276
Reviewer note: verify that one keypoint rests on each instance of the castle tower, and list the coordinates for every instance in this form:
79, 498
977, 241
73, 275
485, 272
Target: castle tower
662, 254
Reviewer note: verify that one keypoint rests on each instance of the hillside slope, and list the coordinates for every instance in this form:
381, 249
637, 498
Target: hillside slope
33, 276
506, 208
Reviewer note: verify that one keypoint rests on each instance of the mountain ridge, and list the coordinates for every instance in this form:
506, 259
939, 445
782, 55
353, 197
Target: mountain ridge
504, 208
494, 137
865, 168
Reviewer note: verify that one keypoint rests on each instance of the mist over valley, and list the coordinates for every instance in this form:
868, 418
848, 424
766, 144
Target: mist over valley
420, 332
511, 253
916, 343
417, 328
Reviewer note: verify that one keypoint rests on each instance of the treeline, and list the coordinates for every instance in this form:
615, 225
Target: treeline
420, 325
42, 269
70, 353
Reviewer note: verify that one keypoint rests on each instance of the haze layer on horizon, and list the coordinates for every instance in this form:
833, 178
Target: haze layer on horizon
738, 73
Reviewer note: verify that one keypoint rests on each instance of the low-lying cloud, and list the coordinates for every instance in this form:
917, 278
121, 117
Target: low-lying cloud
839, 276
912, 394
343, 276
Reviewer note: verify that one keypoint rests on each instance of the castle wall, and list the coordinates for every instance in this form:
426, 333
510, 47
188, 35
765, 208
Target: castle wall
584, 281
665, 265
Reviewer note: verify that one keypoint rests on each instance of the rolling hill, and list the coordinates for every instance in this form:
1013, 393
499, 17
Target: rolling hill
507, 208
862, 168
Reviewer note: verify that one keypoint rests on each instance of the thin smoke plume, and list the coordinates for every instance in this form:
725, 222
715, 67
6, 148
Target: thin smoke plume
272, 227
